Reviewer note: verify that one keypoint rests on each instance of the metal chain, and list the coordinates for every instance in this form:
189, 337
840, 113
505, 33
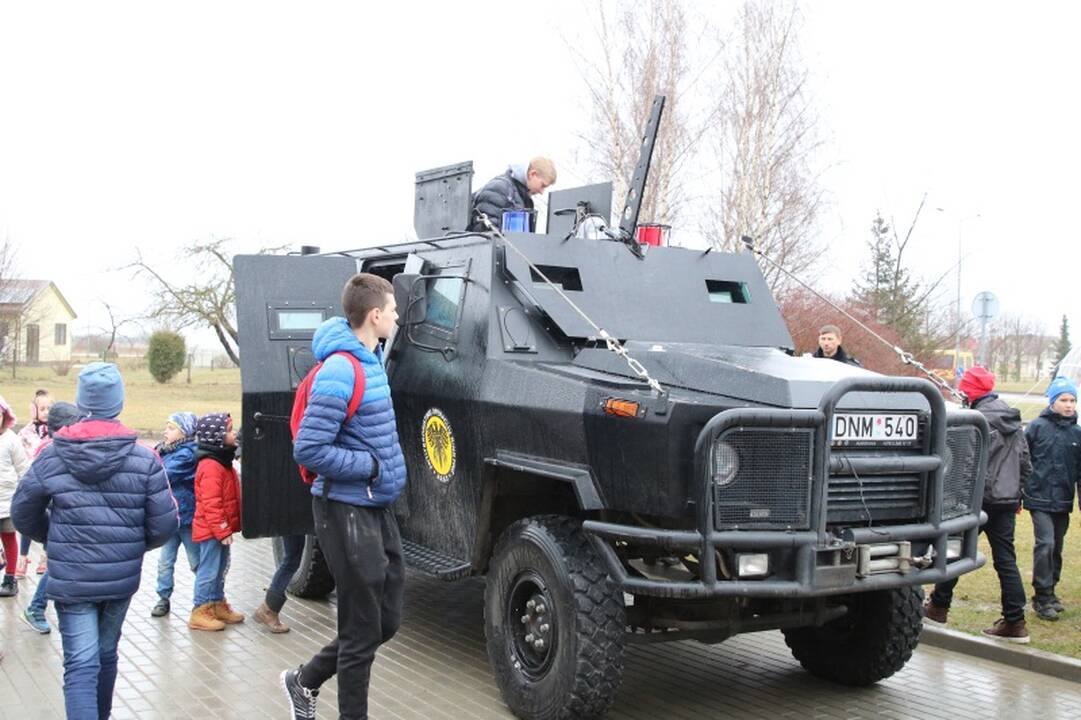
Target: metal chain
906, 357
610, 342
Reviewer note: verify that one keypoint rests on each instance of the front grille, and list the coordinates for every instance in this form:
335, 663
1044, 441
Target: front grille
772, 485
962, 462
874, 497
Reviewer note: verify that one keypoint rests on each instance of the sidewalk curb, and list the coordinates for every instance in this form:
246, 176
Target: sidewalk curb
1038, 661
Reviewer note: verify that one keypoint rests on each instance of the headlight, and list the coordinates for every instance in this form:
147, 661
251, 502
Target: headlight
725, 463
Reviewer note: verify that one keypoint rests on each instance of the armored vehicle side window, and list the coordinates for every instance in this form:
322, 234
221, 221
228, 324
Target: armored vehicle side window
444, 298
299, 319
727, 291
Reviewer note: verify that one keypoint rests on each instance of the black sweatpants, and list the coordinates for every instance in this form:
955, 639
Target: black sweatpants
363, 551
1000, 533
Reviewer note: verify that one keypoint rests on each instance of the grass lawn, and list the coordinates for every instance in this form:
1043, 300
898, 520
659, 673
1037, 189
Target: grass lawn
147, 403
1023, 386
977, 604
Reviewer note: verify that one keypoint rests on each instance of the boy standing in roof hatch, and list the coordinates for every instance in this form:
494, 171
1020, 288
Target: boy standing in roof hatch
360, 473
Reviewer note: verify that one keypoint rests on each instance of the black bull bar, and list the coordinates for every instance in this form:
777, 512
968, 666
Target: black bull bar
807, 578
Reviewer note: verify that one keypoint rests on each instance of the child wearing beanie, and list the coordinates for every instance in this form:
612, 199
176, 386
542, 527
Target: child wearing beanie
177, 452
1054, 441
217, 518
13, 463
95, 492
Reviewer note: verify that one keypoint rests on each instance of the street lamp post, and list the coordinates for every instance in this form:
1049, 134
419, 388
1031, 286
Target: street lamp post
960, 257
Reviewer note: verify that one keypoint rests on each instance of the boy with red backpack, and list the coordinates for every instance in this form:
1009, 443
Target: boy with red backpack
360, 471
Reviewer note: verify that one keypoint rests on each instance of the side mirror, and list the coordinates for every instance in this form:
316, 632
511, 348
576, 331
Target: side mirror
410, 295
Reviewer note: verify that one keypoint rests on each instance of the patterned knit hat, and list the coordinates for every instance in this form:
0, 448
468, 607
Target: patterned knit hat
211, 429
185, 421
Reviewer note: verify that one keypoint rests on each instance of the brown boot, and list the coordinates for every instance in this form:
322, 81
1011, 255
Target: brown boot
224, 612
1003, 629
935, 613
266, 616
202, 618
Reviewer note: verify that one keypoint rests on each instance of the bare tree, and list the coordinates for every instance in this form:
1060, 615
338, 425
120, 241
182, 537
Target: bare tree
644, 50
765, 144
115, 324
208, 301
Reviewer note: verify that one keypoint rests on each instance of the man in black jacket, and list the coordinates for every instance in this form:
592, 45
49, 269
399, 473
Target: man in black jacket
829, 346
1008, 469
512, 190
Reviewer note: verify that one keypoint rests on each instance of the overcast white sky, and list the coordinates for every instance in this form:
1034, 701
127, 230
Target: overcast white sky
148, 125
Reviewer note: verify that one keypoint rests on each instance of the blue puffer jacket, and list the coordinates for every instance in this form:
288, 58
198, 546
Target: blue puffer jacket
110, 503
180, 463
362, 459
1054, 442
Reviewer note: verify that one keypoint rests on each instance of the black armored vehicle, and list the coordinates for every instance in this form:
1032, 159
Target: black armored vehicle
623, 443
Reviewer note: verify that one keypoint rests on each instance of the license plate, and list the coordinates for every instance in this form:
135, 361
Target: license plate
876, 428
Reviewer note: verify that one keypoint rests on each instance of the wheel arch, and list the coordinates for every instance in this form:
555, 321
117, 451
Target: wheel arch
516, 486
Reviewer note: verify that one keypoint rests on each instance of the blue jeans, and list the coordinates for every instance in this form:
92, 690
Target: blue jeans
37, 603
90, 633
210, 575
24, 544
292, 551
167, 559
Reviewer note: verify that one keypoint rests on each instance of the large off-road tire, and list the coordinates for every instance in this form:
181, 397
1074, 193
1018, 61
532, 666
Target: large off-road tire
547, 582
871, 642
312, 580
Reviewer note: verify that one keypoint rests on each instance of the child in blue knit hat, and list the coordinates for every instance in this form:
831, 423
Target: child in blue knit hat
1054, 441
177, 451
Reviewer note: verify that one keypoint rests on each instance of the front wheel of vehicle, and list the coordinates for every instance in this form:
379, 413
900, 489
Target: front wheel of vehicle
554, 622
871, 642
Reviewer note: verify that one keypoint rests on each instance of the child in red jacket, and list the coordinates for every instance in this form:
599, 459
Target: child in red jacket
217, 517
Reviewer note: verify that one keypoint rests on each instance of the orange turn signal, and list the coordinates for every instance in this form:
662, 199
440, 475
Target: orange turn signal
621, 408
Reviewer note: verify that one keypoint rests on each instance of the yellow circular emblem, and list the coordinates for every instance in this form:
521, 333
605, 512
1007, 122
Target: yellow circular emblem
438, 441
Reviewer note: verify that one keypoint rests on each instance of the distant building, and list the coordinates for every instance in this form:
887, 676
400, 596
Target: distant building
35, 323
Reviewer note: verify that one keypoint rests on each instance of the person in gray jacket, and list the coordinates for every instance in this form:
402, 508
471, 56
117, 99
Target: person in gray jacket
1008, 469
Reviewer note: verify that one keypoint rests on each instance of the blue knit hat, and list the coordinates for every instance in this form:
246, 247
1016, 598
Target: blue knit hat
1060, 386
185, 421
100, 392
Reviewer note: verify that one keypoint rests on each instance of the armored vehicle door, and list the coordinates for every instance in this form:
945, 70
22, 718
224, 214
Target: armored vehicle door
280, 300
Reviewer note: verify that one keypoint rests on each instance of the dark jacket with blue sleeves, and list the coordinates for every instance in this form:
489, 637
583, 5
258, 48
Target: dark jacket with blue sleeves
180, 463
362, 458
1054, 443
100, 500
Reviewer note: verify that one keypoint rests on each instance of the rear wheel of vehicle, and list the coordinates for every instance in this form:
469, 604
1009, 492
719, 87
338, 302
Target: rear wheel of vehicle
871, 642
554, 622
312, 580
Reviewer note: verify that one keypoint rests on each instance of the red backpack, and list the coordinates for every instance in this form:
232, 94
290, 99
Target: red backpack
304, 391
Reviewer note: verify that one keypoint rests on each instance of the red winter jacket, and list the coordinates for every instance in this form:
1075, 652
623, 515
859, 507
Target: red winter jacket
217, 501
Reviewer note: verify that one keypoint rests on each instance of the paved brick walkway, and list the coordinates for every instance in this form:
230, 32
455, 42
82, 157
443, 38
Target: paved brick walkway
436, 668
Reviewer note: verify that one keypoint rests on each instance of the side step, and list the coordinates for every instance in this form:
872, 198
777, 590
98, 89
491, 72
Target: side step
433, 562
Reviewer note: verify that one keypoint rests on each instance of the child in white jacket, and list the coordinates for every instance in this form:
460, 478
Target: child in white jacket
13, 463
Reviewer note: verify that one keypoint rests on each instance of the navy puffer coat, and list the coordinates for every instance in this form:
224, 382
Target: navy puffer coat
101, 501
1054, 443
